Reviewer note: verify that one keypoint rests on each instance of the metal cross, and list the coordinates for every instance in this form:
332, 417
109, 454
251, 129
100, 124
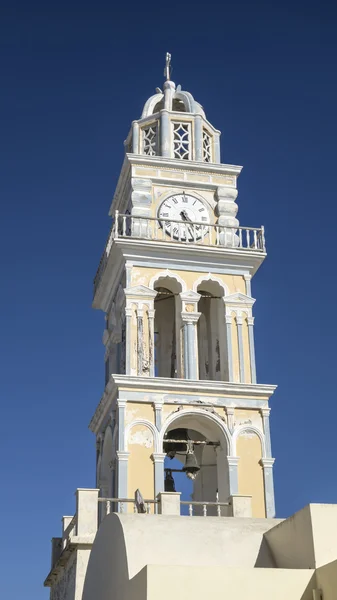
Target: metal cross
168, 68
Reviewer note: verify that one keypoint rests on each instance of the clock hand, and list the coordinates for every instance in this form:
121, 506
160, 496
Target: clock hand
185, 216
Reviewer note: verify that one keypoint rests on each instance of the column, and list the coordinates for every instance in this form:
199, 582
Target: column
165, 134
128, 317
228, 320
233, 474
135, 138
151, 313
267, 466
198, 137
140, 314
191, 344
158, 460
239, 322
252, 349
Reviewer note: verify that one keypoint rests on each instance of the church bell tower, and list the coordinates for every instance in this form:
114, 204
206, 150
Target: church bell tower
174, 282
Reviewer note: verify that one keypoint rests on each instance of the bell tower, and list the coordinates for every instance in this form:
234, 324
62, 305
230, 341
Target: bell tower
174, 282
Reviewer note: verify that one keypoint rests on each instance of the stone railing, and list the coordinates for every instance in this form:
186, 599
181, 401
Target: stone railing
248, 239
169, 503
121, 505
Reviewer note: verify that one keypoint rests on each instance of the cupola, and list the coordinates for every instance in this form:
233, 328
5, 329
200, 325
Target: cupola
174, 125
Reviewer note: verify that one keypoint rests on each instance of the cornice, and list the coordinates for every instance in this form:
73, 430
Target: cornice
76, 541
181, 385
183, 165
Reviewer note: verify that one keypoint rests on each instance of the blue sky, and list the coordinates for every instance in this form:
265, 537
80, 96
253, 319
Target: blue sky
74, 76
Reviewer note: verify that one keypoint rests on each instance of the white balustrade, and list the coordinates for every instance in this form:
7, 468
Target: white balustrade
204, 508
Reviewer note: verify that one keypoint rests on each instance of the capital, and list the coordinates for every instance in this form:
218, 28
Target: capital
267, 463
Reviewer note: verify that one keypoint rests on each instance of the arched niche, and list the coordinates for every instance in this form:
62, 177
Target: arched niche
212, 481
167, 328
212, 353
141, 445
249, 449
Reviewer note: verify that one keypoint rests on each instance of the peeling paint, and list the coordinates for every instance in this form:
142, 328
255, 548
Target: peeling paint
141, 438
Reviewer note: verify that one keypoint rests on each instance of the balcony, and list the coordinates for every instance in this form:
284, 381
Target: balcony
193, 234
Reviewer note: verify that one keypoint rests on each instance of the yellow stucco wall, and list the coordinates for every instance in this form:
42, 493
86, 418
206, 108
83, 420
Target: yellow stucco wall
140, 468
143, 276
250, 473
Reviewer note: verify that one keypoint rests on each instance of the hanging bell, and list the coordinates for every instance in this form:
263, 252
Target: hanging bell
191, 467
169, 481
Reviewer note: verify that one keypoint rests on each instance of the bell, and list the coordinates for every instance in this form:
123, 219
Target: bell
171, 448
169, 481
191, 467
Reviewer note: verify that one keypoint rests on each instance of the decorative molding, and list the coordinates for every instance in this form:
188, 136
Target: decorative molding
214, 417
150, 426
267, 463
170, 275
122, 455
139, 291
239, 299
190, 317
190, 296
250, 428
210, 277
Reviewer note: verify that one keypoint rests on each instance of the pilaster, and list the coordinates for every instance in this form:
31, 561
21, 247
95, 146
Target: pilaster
121, 405
228, 320
122, 470
158, 461
158, 408
265, 412
233, 462
267, 466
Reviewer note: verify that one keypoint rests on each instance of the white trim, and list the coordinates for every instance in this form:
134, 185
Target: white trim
237, 432
210, 277
170, 274
139, 291
192, 413
147, 424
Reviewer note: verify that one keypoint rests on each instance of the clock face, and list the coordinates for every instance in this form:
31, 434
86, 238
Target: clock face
184, 215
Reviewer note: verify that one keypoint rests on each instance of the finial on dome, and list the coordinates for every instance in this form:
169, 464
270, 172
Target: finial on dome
168, 68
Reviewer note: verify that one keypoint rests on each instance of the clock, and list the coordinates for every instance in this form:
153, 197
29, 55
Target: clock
183, 216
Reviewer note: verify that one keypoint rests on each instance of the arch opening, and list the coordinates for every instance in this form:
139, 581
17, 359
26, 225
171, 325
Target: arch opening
167, 326
211, 483
212, 352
